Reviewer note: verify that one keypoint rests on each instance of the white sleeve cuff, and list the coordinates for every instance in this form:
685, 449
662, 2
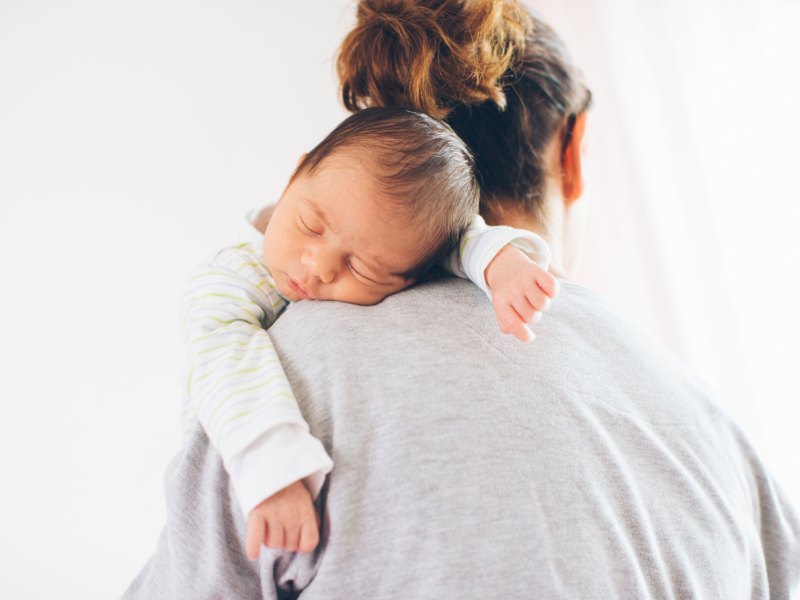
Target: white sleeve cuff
281, 456
492, 240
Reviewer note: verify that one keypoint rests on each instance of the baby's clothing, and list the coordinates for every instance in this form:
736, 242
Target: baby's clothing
233, 381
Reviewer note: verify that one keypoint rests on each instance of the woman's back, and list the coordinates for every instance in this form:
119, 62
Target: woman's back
469, 465
586, 464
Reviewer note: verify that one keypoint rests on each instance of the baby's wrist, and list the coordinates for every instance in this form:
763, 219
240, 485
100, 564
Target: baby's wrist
507, 253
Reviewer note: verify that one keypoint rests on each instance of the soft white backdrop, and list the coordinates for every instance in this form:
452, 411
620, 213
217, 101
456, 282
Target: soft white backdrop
134, 135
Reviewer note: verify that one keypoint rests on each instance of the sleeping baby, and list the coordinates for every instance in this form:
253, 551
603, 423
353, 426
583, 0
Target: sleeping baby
387, 196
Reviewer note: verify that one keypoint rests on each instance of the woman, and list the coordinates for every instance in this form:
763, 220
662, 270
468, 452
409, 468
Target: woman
584, 465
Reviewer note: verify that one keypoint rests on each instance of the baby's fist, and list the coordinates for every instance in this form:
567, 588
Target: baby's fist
521, 291
285, 520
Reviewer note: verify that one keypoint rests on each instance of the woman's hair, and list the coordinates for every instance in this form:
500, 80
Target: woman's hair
419, 165
498, 75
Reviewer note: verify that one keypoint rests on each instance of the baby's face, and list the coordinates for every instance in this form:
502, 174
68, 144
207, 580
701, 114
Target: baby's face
331, 239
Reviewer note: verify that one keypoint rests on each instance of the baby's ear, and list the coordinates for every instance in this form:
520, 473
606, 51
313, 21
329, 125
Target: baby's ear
262, 218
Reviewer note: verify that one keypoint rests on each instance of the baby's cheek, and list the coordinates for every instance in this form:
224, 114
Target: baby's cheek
370, 299
365, 296
382, 294
356, 292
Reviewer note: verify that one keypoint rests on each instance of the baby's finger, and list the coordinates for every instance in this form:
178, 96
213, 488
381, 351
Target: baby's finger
309, 537
548, 283
523, 333
275, 535
255, 536
506, 317
524, 309
520, 329
537, 299
511, 323
291, 535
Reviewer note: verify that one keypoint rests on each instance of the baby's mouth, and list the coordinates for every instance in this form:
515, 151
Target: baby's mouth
295, 285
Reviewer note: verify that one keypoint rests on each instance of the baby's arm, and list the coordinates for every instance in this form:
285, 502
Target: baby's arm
510, 265
236, 387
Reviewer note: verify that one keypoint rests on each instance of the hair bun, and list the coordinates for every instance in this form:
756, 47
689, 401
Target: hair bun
430, 55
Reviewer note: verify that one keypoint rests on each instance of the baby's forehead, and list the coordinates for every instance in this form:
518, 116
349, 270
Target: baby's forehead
376, 219
365, 160
350, 181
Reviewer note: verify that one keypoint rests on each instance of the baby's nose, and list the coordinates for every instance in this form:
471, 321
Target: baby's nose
321, 264
326, 272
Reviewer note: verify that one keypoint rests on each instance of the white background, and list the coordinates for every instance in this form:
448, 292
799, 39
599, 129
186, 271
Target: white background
134, 136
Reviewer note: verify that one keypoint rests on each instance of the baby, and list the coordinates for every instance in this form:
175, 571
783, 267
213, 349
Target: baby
387, 196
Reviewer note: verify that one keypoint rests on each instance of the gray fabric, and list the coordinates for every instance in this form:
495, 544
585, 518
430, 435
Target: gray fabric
588, 464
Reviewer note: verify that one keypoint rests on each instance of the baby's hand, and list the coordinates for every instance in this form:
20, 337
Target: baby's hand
521, 290
284, 520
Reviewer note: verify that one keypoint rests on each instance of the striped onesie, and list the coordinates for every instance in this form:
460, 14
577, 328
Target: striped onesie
233, 381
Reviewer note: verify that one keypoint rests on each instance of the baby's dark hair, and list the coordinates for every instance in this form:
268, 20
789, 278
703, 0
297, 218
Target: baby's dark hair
421, 168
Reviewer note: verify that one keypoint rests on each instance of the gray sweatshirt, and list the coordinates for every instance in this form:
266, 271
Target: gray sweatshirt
587, 464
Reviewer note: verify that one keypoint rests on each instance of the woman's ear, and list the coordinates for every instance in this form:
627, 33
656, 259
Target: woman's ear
571, 168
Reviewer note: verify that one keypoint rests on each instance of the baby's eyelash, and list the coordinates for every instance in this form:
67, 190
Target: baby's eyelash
307, 228
362, 276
